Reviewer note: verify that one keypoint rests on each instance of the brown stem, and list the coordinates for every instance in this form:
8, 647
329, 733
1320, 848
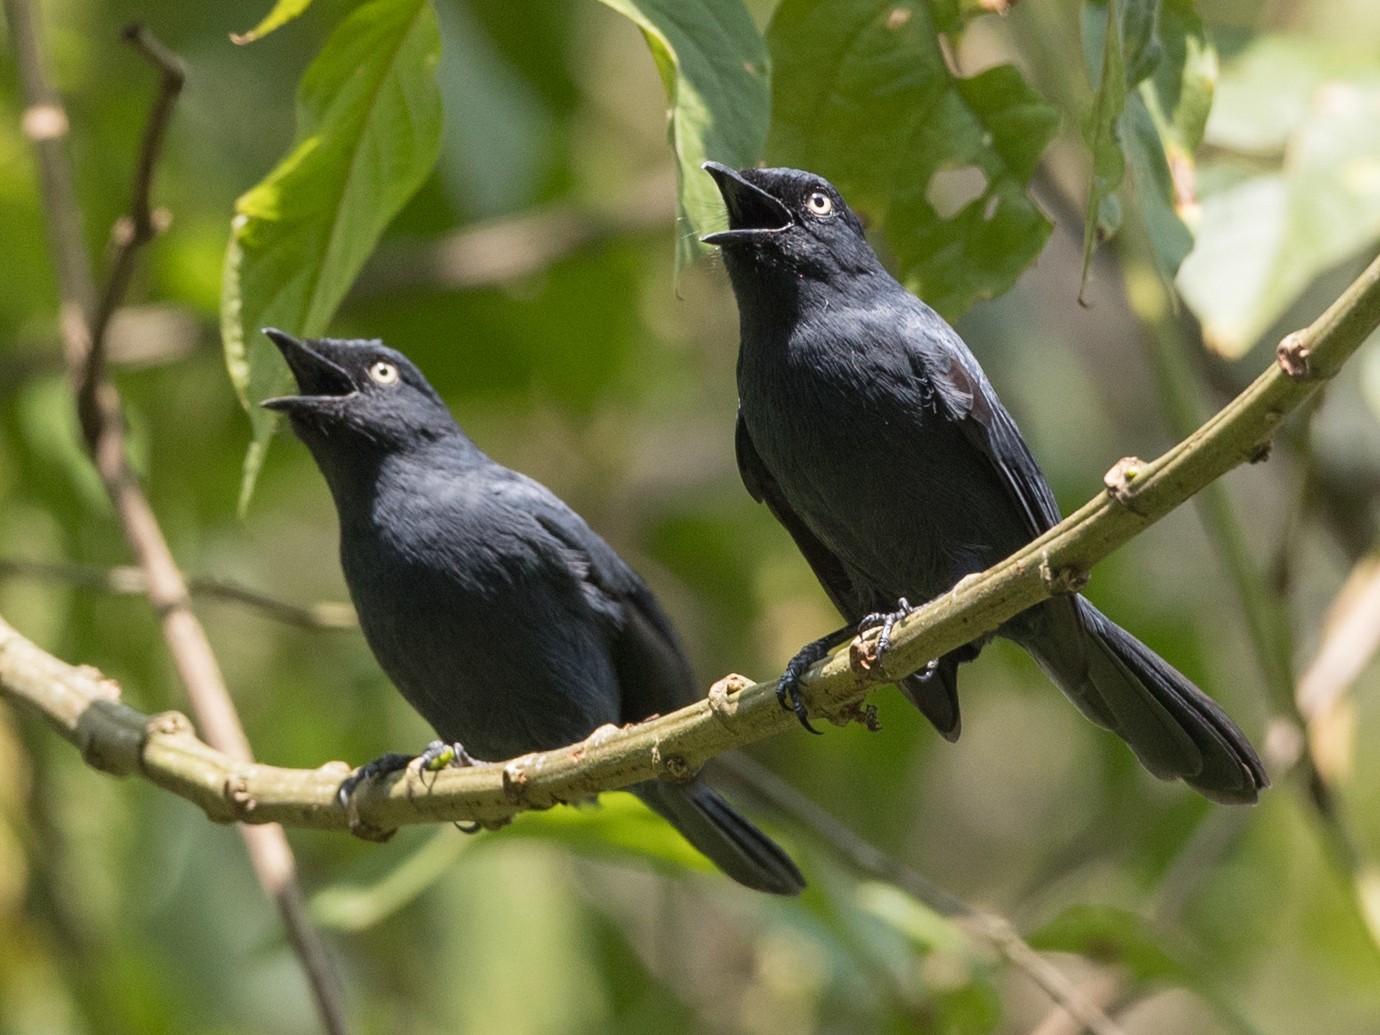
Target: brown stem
84, 321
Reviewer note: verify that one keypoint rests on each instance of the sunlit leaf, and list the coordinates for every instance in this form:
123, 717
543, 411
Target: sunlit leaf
862, 94
283, 12
368, 133
1264, 237
715, 70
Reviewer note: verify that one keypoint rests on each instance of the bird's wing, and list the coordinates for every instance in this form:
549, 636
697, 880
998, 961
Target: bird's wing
939, 356
654, 676
762, 486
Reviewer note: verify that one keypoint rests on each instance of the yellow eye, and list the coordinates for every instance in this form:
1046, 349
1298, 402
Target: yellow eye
820, 204
383, 373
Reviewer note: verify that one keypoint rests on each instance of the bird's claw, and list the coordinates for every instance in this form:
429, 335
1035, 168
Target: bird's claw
439, 755
435, 756
788, 686
381, 766
887, 620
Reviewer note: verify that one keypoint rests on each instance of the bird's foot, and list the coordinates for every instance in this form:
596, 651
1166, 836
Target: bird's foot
435, 756
439, 755
381, 766
788, 686
887, 620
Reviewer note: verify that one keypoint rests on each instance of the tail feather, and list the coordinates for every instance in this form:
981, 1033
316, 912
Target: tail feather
728, 840
1175, 729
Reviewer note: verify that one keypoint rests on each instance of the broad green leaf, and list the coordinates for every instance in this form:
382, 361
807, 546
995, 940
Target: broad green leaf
862, 94
715, 69
368, 133
283, 12
1110, 935
1264, 237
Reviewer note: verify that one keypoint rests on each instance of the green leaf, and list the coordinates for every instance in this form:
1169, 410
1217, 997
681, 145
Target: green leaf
862, 94
1102, 129
618, 824
1264, 237
715, 69
1110, 935
283, 12
1154, 72
368, 133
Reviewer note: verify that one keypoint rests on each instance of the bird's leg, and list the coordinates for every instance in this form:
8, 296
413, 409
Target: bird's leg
788, 686
887, 620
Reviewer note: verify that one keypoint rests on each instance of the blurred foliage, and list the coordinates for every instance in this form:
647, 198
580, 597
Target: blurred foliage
523, 272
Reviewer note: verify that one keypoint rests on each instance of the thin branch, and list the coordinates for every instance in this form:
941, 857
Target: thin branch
164, 749
84, 321
1350, 640
867, 858
127, 580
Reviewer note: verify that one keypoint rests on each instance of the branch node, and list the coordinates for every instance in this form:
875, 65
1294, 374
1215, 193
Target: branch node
1064, 581
515, 777
670, 767
168, 724
1293, 353
101, 684
720, 705
864, 715
238, 794
1120, 480
862, 652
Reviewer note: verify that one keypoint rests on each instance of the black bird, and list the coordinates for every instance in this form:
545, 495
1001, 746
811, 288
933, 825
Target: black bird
872, 434
503, 619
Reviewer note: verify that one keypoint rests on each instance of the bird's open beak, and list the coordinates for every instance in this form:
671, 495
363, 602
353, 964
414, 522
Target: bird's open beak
752, 212
317, 376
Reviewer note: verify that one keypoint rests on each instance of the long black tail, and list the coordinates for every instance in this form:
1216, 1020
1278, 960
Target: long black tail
729, 841
1175, 729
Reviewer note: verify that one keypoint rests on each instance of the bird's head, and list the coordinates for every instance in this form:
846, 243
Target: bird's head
357, 393
790, 221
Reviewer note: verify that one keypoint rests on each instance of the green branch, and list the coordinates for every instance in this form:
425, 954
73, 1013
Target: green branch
84, 707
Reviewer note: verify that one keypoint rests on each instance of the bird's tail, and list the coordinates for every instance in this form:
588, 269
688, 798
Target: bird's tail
729, 841
1175, 729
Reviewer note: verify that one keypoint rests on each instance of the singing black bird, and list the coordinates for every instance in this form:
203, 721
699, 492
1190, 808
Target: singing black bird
503, 619
872, 434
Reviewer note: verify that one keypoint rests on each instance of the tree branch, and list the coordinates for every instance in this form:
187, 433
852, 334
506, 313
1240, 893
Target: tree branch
84, 319
127, 580
82, 706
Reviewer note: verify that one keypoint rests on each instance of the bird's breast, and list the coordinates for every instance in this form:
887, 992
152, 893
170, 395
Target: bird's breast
874, 467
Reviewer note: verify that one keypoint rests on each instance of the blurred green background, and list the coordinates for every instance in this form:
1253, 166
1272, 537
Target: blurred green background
533, 278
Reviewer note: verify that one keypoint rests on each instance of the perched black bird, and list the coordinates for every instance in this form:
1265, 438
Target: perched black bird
503, 619
869, 429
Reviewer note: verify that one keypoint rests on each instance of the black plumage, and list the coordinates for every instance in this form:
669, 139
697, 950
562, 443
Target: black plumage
870, 431
500, 615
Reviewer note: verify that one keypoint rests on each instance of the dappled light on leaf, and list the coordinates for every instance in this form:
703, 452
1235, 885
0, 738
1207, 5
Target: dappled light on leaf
863, 94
